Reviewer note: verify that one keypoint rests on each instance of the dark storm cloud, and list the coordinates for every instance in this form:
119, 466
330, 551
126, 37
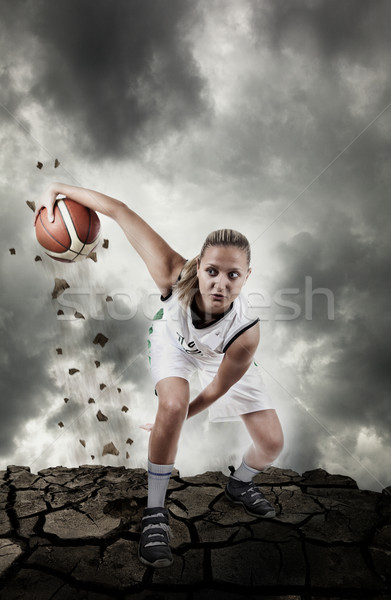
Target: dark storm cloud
24, 382
10, 98
332, 38
361, 376
129, 350
123, 321
301, 110
117, 74
353, 267
342, 221
67, 414
25, 327
294, 107
123, 360
354, 384
330, 28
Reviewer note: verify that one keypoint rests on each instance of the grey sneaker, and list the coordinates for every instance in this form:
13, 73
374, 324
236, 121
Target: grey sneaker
153, 549
251, 498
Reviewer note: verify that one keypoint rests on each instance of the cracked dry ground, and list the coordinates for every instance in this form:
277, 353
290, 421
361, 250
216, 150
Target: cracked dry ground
72, 534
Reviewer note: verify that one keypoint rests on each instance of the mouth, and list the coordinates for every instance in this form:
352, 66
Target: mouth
217, 296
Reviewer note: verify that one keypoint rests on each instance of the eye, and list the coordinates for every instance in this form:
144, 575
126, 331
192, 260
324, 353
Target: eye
211, 271
233, 275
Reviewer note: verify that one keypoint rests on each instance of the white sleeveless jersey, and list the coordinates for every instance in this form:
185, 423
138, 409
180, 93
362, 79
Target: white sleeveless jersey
178, 349
211, 342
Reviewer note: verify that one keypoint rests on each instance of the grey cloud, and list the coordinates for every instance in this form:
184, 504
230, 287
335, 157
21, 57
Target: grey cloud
66, 413
352, 385
123, 322
24, 381
328, 27
31, 332
351, 265
300, 112
119, 75
302, 456
356, 382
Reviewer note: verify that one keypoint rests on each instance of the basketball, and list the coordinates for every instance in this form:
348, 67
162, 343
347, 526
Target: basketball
72, 235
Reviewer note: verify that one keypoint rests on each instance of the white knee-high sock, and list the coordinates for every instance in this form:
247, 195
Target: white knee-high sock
245, 473
158, 478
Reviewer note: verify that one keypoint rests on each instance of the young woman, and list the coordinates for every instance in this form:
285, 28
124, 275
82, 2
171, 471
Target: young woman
203, 326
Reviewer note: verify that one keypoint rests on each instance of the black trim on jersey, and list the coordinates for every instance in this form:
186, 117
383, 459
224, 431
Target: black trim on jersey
170, 294
205, 325
239, 333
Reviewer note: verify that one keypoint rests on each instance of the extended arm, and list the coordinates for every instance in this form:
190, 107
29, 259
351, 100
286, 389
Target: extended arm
163, 263
235, 363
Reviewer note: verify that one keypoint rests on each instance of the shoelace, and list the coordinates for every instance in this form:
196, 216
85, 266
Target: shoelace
256, 492
161, 541
162, 526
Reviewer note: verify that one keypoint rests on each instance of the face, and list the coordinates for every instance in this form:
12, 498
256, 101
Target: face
221, 274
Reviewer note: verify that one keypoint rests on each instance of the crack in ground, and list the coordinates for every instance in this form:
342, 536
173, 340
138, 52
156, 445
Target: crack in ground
277, 499
237, 588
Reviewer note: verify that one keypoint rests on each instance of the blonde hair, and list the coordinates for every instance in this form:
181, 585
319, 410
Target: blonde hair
187, 286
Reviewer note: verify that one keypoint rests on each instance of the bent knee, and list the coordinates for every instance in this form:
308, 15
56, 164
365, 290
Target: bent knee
276, 447
173, 406
272, 447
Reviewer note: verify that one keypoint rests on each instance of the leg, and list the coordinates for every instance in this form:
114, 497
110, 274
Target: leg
266, 433
173, 393
265, 430
173, 406
174, 397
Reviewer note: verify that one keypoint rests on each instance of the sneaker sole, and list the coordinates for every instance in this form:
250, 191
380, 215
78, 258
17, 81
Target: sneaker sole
161, 562
269, 515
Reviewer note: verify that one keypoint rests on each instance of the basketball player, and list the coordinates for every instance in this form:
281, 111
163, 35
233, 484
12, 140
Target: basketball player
202, 326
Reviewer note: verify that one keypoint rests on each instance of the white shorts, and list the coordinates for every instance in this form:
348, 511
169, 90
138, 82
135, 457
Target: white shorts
168, 360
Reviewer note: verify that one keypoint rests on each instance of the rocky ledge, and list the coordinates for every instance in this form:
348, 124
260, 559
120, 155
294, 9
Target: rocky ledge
72, 534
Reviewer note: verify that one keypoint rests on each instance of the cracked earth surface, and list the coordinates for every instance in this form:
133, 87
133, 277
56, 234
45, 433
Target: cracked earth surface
73, 533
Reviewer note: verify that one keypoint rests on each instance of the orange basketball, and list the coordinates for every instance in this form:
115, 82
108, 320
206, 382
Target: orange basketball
72, 235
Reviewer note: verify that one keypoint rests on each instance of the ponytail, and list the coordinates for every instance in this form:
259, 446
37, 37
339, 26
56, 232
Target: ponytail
187, 286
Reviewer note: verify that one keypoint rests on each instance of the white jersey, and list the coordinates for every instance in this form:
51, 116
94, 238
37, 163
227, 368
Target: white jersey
210, 342
179, 349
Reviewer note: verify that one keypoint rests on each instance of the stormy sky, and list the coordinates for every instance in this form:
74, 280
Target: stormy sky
272, 117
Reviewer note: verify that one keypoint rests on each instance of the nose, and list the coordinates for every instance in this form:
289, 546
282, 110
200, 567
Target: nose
221, 283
